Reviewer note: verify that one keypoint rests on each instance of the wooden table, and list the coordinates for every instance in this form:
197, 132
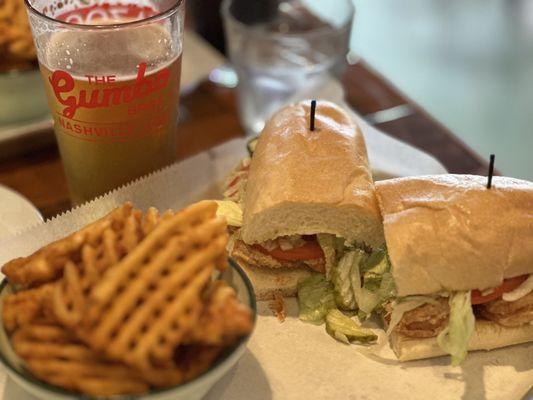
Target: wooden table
212, 119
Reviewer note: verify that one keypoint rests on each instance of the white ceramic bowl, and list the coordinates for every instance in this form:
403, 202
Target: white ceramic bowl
193, 390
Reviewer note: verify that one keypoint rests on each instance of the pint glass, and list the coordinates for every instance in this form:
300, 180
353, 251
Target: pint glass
112, 71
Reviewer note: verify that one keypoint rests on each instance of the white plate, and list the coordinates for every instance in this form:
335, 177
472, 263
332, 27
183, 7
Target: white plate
16, 212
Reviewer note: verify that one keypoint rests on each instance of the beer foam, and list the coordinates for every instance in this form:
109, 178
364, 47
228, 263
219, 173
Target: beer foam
110, 52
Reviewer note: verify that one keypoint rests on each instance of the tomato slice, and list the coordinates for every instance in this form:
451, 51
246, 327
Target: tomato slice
506, 286
311, 250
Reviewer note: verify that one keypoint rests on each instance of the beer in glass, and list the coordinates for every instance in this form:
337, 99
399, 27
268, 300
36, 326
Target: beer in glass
112, 74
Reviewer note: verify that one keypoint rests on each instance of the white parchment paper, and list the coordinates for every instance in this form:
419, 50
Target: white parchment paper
294, 360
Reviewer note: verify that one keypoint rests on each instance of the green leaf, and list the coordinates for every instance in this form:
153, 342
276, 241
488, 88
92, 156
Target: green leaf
455, 337
377, 263
341, 277
315, 299
333, 248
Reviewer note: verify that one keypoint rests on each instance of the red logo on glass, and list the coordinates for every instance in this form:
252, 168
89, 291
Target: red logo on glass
140, 100
63, 83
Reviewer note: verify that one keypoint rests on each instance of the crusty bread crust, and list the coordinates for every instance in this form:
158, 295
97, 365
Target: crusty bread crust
449, 232
487, 336
307, 182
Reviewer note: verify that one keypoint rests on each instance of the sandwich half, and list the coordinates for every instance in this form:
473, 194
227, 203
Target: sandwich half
462, 263
300, 189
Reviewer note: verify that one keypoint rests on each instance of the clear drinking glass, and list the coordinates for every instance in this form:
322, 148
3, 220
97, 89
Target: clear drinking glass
111, 71
280, 47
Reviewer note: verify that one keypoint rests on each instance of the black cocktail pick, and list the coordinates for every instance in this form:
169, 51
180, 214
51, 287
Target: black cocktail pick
312, 115
491, 171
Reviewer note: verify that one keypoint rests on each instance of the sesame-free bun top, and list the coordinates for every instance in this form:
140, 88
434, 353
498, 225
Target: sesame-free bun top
449, 232
307, 182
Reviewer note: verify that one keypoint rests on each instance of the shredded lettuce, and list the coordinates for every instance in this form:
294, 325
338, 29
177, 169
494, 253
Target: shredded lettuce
341, 275
355, 278
402, 305
231, 211
375, 293
455, 337
333, 248
315, 299
361, 282
346, 330
376, 264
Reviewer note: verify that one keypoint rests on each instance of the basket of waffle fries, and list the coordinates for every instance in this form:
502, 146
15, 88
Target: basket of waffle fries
136, 304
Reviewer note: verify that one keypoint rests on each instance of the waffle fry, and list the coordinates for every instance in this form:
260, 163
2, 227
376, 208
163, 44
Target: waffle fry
112, 236
119, 233
119, 239
57, 357
26, 306
224, 318
146, 304
194, 359
122, 305
46, 264
190, 361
